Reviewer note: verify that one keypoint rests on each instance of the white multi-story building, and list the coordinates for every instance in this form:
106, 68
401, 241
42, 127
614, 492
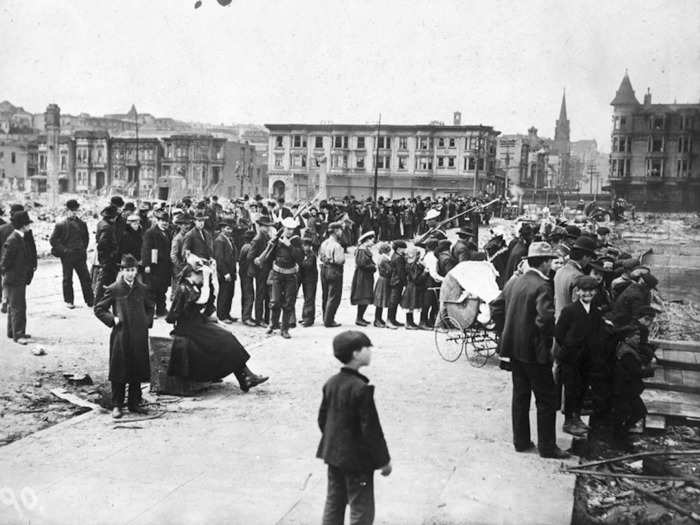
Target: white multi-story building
408, 160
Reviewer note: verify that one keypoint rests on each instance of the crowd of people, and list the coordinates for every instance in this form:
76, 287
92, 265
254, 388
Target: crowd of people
570, 300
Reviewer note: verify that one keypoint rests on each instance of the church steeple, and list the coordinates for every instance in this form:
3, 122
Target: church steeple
561, 129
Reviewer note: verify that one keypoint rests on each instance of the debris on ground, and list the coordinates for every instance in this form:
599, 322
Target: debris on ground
627, 499
680, 321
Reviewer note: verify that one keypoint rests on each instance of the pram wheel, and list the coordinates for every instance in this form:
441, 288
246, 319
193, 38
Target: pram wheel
481, 345
450, 338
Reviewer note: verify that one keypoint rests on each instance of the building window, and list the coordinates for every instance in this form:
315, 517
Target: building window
403, 163
318, 142
340, 141
42, 162
424, 163
656, 123
425, 143
278, 141
298, 141
360, 143
452, 142
685, 145
441, 144
339, 161
469, 163
686, 122
682, 168
441, 160
654, 167
656, 144
279, 161
100, 154
450, 162
13, 158
403, 142
298, 161
64, 162
383, 162
384, 142
360, 162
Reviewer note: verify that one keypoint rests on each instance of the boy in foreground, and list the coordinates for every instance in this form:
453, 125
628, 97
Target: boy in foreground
352, 441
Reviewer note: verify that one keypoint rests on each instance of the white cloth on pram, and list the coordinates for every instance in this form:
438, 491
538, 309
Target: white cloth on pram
477, 278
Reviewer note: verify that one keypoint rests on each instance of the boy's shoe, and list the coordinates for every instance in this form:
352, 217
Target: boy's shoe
285, 333
392, 325
555, 453
379, 324
574, 427
249, 381
270, 330
22, 341
116, 413
425, 327
412, 327
334, 324
226, 321
70, 306
361, 322
396, 323
306, 324
250, 323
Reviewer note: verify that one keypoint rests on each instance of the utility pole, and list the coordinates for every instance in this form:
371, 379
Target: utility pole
476, 165
376, 157
138, 177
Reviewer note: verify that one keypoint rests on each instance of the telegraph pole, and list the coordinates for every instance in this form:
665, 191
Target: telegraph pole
138, 177
376, 157
476, 165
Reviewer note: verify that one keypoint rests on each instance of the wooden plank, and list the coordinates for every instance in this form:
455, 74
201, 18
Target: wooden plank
62, 393
655, 422
691, 378
678, 365
672, 376
674, 388
684, 346
671, 408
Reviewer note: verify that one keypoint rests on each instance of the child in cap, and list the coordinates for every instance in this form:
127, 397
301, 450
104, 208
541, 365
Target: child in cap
352, 442
381, 286
578, 333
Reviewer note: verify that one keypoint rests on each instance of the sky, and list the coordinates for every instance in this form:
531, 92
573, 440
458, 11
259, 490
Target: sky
501, 63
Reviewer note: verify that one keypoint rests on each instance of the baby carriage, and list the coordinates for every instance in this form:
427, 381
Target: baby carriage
463, 324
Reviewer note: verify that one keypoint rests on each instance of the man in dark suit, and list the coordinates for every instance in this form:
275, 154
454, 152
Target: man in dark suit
198, 240
18, 270
69, 242
107, 249
226, 255
262, 269
155, 259
524, 311
5, 231
247, 274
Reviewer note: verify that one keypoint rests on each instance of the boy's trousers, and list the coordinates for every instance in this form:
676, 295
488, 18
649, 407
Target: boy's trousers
355, 489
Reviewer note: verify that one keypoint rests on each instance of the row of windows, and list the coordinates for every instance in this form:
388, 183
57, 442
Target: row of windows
654, 168
656, 122
384, 142
13, 156
384, 162
654, 144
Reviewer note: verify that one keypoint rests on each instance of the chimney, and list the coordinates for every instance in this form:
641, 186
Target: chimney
457, 118
647, 98
532, 133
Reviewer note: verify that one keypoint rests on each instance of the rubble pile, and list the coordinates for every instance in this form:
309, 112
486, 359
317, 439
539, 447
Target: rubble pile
680, 321
615, 500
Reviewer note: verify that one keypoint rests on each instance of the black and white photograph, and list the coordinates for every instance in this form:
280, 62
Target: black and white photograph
333, 262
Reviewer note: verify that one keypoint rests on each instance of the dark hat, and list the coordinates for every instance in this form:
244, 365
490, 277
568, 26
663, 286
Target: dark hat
644, 311
345, 343
258, 197
443, 245
200, 215
116, 201
525, 229
466, 231
603, 230
223, 223
398, 244
573, 232
129, 206
20, 219
128, 261
14, 208
162, 216
110, 212
585, 244
603, 264
264, 220
249, 235
183, 218
586, 282
72, 204
650, 280
629, 264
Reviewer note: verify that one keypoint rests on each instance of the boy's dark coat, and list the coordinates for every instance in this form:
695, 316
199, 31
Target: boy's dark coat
128, 342
352, 434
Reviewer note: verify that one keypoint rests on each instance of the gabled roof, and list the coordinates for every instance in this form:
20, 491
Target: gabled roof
625, 93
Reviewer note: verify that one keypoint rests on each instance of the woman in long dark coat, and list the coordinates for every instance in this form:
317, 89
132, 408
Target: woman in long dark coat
381, 287
362, 288
128, 310
203, 350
